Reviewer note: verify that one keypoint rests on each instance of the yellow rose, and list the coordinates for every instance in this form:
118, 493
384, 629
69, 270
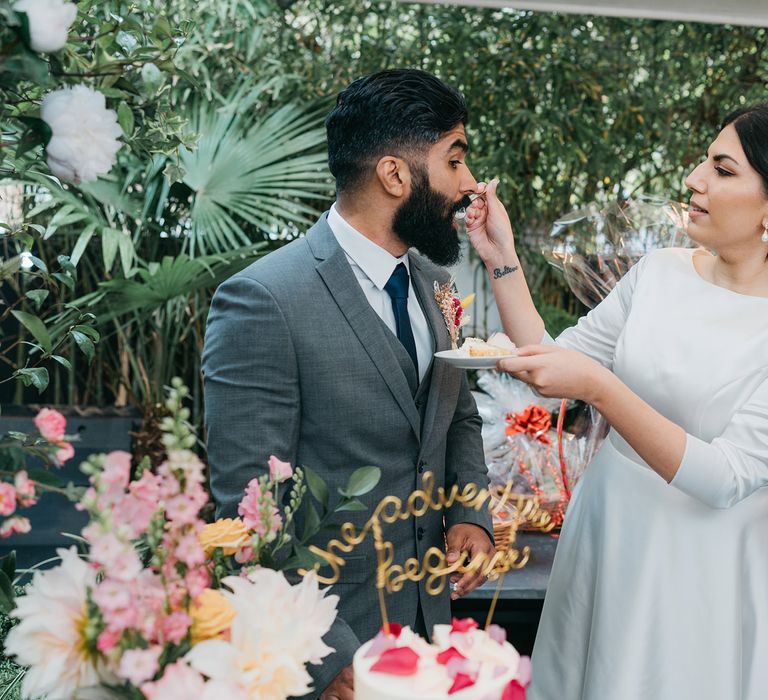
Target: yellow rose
212, 616
230, 534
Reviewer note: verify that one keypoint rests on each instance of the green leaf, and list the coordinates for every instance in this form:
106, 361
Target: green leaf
361, 482
62, 361
125, 118
317, 487
85, 344
302, 559
352, 505
66, 265
65, 279
90, 331
36, 327
36, 376
6, 594
311, 522
82, 243
8, 566
37, 296
46, 478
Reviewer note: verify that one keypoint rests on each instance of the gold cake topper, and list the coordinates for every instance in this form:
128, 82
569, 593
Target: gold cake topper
391, 577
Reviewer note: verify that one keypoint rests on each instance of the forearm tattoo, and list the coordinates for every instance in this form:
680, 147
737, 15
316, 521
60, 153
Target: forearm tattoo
499, 272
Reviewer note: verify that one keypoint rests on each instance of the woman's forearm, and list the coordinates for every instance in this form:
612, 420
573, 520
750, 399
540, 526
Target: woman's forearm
660, 442
521, 321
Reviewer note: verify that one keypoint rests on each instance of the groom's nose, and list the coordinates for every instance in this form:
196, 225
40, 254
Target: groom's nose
468, 183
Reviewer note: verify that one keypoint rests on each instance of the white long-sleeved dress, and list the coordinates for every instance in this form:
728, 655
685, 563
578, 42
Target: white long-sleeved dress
660, 591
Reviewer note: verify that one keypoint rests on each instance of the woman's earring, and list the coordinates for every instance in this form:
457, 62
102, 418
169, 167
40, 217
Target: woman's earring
764, 237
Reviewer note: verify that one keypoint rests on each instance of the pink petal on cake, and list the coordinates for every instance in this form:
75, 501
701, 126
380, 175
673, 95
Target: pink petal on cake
394, 629
513, 691
461, 681
456, 665
463, 625
524, 671
497, 634
381, 642
401, 661
450, 653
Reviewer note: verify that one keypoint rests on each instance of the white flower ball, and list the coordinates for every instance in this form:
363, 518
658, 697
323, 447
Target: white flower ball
85, 134
49, 22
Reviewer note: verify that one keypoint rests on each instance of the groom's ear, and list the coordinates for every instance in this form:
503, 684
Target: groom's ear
394, 176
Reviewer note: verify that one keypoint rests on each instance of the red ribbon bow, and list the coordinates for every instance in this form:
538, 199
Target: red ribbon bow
534, 422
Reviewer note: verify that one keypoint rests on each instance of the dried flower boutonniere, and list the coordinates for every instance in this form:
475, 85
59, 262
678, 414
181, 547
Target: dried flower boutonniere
452, 308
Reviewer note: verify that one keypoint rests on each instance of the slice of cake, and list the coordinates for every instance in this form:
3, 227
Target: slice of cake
463, 662
497, 345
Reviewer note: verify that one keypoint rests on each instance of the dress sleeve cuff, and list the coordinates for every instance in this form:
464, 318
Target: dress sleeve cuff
704, 474
547, 339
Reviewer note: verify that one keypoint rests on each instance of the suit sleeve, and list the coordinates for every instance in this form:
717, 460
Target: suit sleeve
251, 389
252, 410
465, 459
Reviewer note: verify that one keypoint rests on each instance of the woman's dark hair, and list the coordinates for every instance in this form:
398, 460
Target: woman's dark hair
400, 112
751, 124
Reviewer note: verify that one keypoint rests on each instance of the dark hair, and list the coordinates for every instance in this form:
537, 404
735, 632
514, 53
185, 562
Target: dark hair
751, 125
400, 112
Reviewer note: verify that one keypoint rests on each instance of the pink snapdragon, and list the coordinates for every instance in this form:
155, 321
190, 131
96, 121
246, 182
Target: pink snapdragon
7, 498
25, 489
175, 626
279, 470
51, 425
259, 511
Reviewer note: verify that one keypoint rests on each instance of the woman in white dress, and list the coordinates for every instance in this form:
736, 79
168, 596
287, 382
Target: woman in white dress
659, 589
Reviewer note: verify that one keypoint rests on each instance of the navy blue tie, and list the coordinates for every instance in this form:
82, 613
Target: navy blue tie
397, 288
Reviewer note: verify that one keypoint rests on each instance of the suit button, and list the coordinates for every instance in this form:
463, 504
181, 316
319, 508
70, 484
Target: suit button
419, 403
420, 533
422, 464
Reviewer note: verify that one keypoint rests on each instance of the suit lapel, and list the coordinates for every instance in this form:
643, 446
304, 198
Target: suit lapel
338, 277
424, 287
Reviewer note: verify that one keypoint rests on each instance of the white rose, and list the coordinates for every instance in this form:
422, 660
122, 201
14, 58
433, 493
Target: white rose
85, 133
49, 22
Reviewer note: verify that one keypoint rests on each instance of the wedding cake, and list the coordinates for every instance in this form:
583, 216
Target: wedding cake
462, 663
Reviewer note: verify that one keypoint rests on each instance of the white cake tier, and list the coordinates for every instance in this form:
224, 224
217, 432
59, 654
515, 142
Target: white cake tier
495, 665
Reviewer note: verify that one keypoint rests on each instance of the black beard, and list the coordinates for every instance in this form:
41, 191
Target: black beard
425, 221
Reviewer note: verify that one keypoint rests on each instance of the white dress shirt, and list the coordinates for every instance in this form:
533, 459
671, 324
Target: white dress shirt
373, 266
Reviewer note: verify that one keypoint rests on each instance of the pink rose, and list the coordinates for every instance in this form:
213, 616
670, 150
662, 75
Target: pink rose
65, 452
15, 524
51, 424
279, 470
7, 498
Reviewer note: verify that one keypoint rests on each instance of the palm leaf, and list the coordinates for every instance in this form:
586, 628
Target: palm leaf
266, 174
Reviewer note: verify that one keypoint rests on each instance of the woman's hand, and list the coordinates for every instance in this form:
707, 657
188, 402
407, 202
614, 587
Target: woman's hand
556, 372
488, 226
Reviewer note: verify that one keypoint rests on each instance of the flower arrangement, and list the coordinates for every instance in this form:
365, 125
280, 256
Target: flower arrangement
452, 308
165, 606
18, 487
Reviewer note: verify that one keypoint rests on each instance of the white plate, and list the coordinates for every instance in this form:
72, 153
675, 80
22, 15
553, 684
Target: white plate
456, 359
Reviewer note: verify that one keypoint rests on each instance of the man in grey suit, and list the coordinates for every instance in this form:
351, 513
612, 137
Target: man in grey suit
321, 353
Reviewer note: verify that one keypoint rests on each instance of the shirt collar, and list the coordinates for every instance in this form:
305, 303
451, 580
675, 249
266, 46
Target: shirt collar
377, 263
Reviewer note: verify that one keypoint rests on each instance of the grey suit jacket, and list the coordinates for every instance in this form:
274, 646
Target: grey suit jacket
297, 364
